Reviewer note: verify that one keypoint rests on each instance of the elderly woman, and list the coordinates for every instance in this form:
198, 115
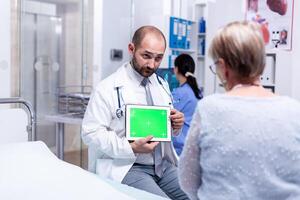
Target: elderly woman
244, 144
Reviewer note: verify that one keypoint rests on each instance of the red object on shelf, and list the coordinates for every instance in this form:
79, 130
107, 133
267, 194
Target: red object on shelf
278, 6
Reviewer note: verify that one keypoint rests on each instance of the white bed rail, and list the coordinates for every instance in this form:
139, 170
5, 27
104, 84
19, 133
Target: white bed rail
30, 112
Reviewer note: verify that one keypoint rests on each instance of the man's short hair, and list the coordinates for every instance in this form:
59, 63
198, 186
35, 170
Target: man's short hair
141, 32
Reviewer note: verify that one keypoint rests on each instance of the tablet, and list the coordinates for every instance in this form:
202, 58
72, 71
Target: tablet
142, 121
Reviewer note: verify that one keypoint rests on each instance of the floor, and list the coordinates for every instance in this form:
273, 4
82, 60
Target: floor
78, 157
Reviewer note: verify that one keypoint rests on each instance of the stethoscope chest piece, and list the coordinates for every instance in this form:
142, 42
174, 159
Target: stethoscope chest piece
119, 113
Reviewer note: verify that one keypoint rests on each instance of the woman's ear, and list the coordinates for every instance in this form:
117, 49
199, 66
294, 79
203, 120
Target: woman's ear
221, 68
227, 75
225, 70
222, 72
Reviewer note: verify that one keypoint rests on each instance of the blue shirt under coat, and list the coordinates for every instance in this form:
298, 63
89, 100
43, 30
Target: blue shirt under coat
185, 101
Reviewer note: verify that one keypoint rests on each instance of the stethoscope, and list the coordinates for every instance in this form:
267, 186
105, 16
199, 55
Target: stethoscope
120, 112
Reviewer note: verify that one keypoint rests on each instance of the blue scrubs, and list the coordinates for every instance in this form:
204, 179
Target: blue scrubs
185, 102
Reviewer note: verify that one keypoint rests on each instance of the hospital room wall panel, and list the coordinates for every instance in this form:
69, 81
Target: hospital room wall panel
296, 52
117, 31
15, 48
145, 11
97, 42
5, 48
112, 30
227, 11
183, 9
88, 35
72, 45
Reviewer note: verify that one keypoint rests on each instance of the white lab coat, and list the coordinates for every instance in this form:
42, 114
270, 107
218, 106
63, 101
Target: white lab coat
110, 154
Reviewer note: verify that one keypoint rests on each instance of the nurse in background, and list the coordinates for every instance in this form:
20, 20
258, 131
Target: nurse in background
185, 96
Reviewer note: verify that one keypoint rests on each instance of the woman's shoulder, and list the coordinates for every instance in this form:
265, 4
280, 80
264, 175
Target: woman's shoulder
210, 103
212, 99
225, 100
221, 97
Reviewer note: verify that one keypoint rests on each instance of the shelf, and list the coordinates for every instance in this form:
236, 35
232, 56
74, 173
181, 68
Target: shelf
200, 3
268, 85
183, 50
201, 34
200, 56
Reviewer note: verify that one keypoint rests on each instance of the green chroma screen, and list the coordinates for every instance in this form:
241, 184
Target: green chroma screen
145, 122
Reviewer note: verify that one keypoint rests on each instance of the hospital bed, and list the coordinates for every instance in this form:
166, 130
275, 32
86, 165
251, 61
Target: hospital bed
21, 124
30, 171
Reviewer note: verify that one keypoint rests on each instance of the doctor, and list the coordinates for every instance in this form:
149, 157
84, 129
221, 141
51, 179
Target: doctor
137, 164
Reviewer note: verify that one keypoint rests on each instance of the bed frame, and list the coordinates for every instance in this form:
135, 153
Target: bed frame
30, 112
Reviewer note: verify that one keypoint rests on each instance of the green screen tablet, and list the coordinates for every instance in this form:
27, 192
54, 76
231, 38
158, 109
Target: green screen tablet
142, 121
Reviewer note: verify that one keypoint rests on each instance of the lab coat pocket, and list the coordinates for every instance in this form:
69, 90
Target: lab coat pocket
118, 126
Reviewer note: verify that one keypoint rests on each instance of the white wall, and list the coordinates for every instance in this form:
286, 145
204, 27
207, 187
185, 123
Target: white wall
5, 49
219, 13
97, 40
112, 30
151, 13
183, 9
296, 52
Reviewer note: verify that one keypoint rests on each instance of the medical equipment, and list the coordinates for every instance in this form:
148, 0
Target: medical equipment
31, 115
120, 112
73, 100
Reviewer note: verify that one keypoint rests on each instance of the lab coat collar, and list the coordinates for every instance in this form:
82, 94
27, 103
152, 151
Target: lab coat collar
119, 80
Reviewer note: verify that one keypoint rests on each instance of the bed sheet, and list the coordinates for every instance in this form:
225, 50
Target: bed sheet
31, 171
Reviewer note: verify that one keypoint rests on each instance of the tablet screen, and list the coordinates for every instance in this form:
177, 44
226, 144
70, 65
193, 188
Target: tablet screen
142, 121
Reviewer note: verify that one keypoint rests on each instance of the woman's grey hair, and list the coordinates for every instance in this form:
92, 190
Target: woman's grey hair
241, 46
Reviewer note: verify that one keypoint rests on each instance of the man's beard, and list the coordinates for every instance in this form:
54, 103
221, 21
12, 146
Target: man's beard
140, 69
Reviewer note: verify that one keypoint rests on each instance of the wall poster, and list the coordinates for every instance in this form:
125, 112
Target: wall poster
276, 20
